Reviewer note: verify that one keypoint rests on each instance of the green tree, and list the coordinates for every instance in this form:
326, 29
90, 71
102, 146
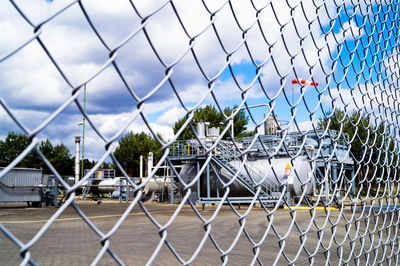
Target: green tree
59, 156
356, 125
210, 114
239, 122
62, 160
370, 140
13, 145
88, 164
131, 146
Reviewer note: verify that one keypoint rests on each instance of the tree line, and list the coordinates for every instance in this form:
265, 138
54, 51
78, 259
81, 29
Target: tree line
132, 145
367, 136
58, 155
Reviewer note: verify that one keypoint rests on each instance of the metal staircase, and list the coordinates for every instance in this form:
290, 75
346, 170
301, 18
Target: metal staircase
86, 189
225, 153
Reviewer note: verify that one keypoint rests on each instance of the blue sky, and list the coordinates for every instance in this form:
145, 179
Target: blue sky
33, 88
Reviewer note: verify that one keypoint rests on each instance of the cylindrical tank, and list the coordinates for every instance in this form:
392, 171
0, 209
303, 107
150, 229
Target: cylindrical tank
213, 132
103, 186
189, 172
110, 185
201, 130
284, 172
156, 185
295, 174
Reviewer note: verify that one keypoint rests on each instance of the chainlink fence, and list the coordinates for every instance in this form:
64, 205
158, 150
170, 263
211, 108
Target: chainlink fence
318, 81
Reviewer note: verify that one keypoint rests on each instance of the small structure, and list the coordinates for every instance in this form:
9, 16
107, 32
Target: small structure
23, 185
271, 127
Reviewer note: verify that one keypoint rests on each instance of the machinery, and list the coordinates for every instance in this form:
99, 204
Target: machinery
290, 166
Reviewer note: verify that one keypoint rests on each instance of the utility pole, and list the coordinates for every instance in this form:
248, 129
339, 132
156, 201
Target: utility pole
83, 130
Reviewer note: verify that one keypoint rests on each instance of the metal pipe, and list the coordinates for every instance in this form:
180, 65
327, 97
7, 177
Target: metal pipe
77, 153
141, 168
149, 163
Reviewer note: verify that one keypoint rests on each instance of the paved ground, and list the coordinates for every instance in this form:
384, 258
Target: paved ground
69, 241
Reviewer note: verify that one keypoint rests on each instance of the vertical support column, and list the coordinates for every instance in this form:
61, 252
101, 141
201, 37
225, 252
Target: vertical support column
328, 173
198, 180
353, 187
120, 190
326, 176
208, 181
126, 190
141, 169
217, 187
334, 173
171, 197
335, 178
55, 190
149, 164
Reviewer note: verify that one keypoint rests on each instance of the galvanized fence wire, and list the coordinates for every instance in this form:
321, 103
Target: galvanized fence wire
349, 47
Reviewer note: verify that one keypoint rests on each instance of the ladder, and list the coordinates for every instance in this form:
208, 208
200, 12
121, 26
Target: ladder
86, 189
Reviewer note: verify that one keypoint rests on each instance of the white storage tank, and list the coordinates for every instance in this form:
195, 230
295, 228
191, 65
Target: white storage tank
294, 174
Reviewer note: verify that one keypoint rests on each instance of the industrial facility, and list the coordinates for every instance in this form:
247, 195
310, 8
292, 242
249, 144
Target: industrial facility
265, 166
268, 163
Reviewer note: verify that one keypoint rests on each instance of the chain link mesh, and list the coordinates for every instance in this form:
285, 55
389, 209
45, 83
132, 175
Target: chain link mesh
325, 74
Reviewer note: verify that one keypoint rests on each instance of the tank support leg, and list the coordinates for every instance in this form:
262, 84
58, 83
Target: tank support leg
171, 197
120, 190
353, 187
208, 181
198, 181
126, 191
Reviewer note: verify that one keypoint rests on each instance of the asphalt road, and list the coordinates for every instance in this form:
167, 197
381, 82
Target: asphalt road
70, 241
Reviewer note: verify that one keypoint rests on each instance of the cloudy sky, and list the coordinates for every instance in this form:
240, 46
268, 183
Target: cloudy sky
170, 57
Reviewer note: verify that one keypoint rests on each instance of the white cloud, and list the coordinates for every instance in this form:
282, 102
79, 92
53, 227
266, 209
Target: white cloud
369, 98
303, 126
32, 86
171, 116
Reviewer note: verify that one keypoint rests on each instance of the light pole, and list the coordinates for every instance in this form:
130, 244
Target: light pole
78, 153
83, 130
